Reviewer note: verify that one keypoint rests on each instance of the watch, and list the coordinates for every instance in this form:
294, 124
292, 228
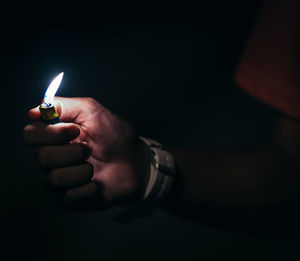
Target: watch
162, 170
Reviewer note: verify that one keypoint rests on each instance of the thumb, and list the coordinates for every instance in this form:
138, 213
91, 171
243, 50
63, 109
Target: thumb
67, 108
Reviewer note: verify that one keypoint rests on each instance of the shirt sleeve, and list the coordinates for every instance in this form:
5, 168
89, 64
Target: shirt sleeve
269, 69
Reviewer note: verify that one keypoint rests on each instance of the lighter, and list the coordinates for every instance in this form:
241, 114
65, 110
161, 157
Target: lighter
49, 114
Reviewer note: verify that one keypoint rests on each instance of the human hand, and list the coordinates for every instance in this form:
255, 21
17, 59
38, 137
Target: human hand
93, 159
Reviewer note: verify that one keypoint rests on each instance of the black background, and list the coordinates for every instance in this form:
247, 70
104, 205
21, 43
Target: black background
166, 69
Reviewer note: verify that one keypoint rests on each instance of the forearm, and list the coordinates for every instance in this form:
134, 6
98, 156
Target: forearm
240, 185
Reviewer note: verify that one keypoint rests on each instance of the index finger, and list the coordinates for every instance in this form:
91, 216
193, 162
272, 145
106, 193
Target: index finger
38, 133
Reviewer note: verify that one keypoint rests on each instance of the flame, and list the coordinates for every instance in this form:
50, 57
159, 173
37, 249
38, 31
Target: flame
52, 89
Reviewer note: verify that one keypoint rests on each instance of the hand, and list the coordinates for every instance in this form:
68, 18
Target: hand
93, 159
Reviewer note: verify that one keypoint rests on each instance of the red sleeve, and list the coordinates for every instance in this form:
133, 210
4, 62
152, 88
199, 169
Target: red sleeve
270, 67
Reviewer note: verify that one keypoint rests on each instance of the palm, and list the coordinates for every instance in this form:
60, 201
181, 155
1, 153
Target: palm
114, 146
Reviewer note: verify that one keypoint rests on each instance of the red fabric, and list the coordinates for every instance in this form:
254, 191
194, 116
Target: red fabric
270, 67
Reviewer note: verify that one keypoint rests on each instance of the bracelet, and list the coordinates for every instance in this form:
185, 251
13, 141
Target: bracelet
162, 169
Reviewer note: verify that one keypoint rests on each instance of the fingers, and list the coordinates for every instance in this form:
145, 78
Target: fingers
42, 134
51, 157
86, 191
69, 177
75, 188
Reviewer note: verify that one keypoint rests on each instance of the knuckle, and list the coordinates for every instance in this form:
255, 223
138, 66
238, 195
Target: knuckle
91, 101
26, 133
27, 128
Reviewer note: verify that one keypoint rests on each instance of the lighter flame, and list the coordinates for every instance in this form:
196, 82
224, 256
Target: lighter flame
52, 89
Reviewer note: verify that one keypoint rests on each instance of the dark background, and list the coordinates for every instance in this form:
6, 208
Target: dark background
167, 70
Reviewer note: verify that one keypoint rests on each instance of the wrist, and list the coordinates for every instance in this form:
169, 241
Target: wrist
145, 159
159, 181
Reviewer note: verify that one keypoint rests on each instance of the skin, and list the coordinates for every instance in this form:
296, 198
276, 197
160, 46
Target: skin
95, 160
253, 190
